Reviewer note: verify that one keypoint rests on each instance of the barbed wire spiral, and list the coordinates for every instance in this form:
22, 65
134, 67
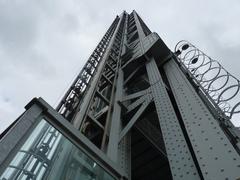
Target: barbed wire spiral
222, 87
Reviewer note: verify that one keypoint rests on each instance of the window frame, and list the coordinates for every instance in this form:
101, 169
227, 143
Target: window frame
37, 110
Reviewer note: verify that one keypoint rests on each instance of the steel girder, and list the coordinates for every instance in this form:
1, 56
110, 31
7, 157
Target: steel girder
179, 156
215, 154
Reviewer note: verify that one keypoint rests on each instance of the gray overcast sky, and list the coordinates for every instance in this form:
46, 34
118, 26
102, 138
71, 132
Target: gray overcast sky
44, 43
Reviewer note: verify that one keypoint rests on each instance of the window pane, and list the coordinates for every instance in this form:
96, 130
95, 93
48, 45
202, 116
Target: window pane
47, 154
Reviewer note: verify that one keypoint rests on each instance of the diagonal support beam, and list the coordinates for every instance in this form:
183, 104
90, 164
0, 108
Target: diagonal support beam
102, 97
132, 34
106, 79
135, 95
133, 44
152, 134
131, 75
110, 67
135, 118
137, 102
95, 121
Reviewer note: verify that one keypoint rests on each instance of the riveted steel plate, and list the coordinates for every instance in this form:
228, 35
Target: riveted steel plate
215, 154
180, 159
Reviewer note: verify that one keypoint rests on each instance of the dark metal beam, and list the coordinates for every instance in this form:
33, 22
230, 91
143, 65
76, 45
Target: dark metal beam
135, 118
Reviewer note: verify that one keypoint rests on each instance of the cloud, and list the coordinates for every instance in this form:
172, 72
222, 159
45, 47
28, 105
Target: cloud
18, 26
44, 44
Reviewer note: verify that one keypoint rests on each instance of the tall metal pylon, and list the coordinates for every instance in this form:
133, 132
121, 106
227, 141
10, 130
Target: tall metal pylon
137, 110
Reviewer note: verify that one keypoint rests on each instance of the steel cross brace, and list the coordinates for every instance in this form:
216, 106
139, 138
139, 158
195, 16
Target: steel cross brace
135, 95
152, 134
138, 102
147, 100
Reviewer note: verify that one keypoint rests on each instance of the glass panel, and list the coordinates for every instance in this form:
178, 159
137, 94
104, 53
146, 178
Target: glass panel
47, 154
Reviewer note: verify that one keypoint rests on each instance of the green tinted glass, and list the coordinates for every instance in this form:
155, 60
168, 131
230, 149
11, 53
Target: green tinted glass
47, 154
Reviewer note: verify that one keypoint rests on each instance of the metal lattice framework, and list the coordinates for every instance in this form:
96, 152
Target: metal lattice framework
73, 96
222, 88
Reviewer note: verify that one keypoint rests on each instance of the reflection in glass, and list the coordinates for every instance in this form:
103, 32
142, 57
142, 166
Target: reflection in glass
47, 154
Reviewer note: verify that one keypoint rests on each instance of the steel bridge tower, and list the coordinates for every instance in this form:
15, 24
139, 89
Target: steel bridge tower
137, 110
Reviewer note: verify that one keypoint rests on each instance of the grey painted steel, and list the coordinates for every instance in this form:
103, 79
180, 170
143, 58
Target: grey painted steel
180, 159
112, 97
84, 78
136, 116
119, 152
131, 75
124, 155
135, 95
216, 156
138, 102
140, 30
151, 133
84, 106
112, 151
207, 73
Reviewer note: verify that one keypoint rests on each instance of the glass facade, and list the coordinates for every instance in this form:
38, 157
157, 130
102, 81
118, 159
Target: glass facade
47, 154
